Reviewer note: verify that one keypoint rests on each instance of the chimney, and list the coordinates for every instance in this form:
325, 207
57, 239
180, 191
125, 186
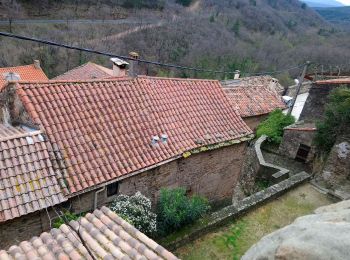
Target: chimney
237, 74
37, 64
133, 70
119, 67
11, 76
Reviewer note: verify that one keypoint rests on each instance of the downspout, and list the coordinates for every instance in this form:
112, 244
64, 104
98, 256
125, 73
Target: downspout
96, 194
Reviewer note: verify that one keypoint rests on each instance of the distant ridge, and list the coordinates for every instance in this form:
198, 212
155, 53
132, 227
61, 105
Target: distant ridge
323, 3
335, 14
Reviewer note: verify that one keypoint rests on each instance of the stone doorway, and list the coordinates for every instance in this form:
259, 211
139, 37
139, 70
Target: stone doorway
302, 153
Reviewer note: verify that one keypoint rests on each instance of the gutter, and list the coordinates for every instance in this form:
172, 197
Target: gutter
96, 194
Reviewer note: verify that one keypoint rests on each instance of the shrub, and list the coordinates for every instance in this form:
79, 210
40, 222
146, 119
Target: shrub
136, 210
336, 121
176, 210
66, 217
274, 124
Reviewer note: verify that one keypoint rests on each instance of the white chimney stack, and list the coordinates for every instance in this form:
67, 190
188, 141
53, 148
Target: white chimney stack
237, 74
37, 64
119, 67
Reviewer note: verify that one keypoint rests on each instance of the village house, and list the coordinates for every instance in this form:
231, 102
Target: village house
118, 136
26, 72
105, 236
254, 97
92, 70
297, 140
318, 98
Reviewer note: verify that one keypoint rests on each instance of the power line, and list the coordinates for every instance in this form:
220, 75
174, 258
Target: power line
108, 54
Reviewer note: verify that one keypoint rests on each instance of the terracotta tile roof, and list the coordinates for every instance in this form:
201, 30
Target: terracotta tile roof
104, 128
302, 126
26, 72
264, 80
106, 235
334, 81
254, 100
27, 177
86, 71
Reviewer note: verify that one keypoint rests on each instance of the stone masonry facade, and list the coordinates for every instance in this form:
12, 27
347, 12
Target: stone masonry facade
292, 139
212, 174
254, 121
19, 229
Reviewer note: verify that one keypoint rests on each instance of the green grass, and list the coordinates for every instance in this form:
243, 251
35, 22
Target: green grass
233, 240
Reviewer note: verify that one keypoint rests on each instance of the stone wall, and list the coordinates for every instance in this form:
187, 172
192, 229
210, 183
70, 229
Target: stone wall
254, 121
337, 168
292, 138
20, 229
234, 211
212, 174
315, 104
246, 183
25, 227
305, 88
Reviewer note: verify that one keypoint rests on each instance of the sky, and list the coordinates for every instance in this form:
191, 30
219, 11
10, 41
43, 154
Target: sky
345, 2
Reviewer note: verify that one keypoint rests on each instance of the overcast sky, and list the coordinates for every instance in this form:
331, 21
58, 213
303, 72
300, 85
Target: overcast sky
345, 2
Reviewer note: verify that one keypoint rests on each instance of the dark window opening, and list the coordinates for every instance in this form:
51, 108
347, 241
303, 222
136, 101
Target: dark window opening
302, 153
112, 189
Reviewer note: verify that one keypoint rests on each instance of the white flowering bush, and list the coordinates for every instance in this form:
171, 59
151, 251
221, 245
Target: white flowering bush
136, 210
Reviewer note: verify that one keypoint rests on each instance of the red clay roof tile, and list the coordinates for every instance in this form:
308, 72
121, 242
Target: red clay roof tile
113, 121
334, 81
27, 178
86, 71
254, 100
26, 72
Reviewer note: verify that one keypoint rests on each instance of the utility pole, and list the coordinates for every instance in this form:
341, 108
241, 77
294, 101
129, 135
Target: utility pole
301, 80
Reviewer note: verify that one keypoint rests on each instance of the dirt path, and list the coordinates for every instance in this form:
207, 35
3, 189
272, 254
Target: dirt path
230, 242
127, 32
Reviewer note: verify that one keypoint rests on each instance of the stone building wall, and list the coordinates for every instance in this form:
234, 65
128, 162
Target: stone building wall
292, 138
25, 227
254, 121
305, 88
316, 102
212, 174
20, 229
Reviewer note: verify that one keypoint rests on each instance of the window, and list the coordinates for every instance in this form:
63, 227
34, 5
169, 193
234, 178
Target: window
112, 189
302, 153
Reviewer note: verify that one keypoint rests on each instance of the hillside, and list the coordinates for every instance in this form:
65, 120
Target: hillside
253, 36
335, 14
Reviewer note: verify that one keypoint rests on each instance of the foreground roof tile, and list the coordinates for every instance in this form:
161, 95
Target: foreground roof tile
28, 180
104, 128
102, 234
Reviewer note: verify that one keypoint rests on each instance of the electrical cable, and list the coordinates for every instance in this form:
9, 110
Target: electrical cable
47, 42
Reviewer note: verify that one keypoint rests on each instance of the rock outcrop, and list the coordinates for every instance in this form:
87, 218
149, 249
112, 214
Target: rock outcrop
322, 236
